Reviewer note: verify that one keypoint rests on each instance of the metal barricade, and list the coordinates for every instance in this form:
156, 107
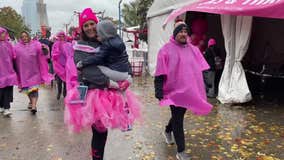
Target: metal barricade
138, 60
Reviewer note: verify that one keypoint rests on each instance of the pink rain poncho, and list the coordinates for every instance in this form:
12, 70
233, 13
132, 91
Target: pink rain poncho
183, 65
103, 109
32, 66
8, 76
60, 51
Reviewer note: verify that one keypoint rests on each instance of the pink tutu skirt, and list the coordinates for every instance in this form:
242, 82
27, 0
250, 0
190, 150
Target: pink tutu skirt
103, 109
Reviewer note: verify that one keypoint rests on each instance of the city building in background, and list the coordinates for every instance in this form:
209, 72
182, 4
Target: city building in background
35, 16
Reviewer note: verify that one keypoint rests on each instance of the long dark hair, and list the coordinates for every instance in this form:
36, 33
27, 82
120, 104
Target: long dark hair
84, 37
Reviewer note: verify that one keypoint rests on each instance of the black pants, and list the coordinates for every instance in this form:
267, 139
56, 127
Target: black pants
6, 97
175, 125
59, 87
98, 144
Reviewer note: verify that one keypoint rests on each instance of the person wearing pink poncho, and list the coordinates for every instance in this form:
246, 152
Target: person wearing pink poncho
32, 67
179, 84
8, 76
60, 50
108, 105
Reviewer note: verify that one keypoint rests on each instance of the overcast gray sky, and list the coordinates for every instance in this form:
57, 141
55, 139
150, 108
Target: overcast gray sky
60, 11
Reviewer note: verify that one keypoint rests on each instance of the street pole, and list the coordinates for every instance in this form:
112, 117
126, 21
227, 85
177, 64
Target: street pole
119, 18
78, 14
66, 29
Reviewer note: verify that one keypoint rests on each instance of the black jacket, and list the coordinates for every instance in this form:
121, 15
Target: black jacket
90, 75
210, 55
112, 53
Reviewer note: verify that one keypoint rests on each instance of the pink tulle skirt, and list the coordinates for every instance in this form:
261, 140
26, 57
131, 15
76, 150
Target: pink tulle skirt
103, 109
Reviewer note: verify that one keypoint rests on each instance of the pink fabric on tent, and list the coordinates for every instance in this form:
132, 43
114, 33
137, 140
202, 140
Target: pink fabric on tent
60, 51
8, 76
259, 8
31, 64
183, 64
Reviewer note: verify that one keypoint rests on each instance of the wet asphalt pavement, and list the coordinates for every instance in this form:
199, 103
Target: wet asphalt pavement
254, 131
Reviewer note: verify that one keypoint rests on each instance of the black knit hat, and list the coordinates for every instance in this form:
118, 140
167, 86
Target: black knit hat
179, 26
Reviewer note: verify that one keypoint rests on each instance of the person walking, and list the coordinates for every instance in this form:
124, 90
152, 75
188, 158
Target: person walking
32, 68
108, 104
60, 50
179, 84
8, 76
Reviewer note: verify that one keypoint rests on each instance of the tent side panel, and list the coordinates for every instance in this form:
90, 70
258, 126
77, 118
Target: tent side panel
157, 37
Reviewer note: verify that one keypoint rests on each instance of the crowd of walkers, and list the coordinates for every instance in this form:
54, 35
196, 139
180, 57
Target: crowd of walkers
94, 74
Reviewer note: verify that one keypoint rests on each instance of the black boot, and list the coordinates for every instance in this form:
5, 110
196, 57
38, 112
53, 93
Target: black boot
34, 110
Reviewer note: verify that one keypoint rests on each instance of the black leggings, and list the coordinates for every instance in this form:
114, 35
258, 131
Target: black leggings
59, 87
98, 144
6, 97
175, 125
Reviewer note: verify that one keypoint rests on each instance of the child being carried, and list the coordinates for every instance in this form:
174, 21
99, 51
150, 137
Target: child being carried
111, 57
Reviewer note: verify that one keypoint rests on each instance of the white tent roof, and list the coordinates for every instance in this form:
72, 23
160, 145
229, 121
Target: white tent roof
160, 7
157, 36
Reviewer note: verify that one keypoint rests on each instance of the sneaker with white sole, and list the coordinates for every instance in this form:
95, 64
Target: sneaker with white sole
168, 137
1, 110
7, 112
182, 156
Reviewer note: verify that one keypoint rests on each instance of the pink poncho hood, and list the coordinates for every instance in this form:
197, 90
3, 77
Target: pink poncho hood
8, 76
31, 64
183, 65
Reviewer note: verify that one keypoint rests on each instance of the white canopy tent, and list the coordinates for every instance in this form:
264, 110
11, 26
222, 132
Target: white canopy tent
236, 30
157, 36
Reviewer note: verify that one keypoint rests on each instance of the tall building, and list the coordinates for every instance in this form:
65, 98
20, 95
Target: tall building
35, 14
29, 12
41, 8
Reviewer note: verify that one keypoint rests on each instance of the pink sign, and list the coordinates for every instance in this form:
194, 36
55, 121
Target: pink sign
258, 8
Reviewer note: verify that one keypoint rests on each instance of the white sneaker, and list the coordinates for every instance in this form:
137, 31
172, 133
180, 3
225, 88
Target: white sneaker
168, 137
7, 112
1, 110
182, 156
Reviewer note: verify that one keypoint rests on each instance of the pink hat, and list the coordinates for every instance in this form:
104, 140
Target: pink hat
87, 15
211, 42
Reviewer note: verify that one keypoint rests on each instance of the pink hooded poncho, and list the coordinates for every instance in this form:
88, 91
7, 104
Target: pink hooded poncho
60, 51
8, 76
31, 64
183, 65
